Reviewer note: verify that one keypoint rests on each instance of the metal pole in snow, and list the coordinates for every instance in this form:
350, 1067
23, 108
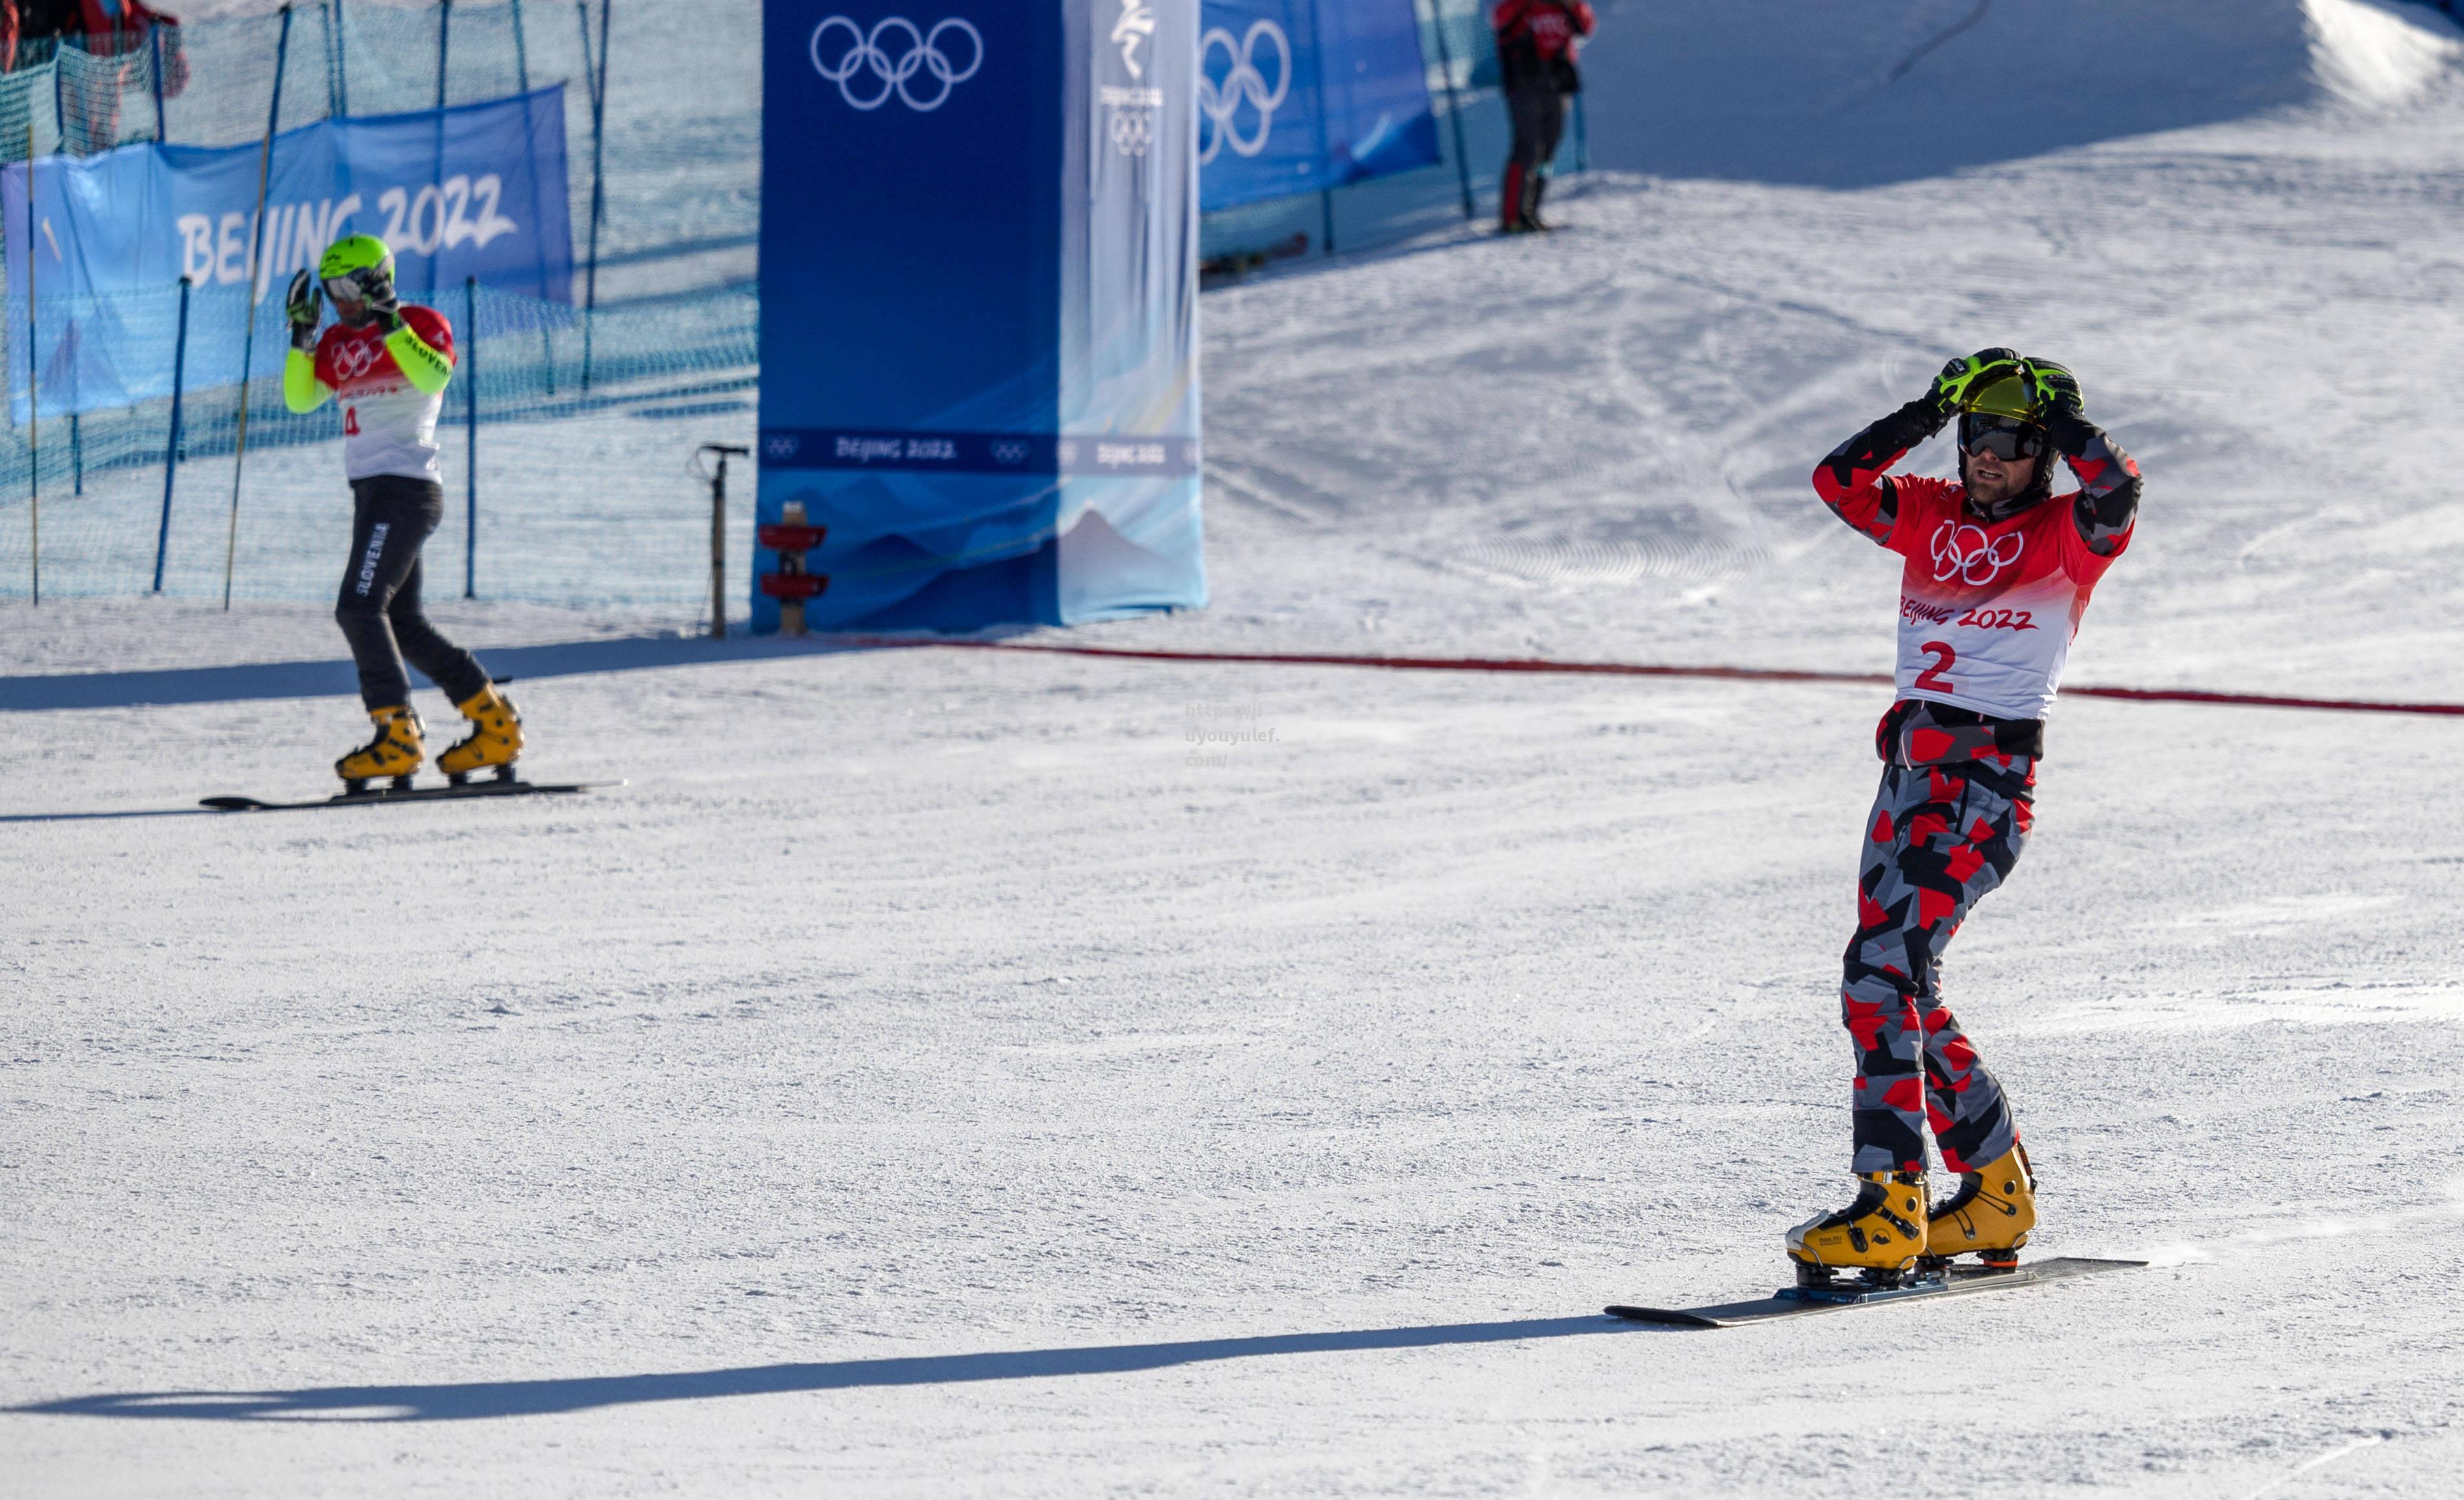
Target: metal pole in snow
171, 453
470, 372
1454, 104
598, 179
34, 384
255, 277
154, 40
1325, 194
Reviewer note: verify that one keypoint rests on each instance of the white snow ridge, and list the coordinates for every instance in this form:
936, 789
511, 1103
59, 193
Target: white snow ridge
2377, 54
949, 1072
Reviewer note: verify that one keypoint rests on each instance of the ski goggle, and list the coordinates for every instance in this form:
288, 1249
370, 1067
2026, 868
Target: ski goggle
346, 289
2007, 438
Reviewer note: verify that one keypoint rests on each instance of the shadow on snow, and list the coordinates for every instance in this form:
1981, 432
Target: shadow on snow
481, 1399
336, 678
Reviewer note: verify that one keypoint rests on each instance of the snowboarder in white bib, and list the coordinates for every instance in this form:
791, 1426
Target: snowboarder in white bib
389, 364
1998, 573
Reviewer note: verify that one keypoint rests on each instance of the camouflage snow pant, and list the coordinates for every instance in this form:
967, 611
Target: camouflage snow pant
1941, 837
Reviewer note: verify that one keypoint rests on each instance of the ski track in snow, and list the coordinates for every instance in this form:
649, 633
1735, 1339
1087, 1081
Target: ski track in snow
938, 1074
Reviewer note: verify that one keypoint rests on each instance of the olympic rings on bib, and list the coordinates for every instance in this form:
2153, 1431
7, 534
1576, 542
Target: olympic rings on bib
1217, 102
1962, 552
843, 54
356, 356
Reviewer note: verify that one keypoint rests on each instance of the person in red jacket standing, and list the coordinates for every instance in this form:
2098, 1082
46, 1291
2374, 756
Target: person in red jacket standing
1997, 571
1536, 42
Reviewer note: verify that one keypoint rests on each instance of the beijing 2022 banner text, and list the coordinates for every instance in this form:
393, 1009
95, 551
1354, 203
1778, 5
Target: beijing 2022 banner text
475, 190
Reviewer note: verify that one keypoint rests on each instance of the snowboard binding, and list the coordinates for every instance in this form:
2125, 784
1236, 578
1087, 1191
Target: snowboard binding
1826, 1284
358, 785
1923, 1271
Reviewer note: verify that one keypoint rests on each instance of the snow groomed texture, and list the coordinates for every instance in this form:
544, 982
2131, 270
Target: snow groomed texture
1616, 669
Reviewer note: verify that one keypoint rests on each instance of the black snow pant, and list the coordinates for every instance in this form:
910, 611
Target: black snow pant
391, 517
1538, 112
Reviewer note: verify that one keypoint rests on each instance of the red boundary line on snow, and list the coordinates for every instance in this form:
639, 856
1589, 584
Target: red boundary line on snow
1619, 668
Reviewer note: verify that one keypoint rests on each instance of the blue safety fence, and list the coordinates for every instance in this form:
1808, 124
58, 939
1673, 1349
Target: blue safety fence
580, 492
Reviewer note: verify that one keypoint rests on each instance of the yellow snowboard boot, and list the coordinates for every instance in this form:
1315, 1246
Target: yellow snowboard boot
1883, 1230
495, 737
396, 751
1991, 1214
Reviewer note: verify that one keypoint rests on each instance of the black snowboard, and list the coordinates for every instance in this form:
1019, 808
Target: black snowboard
1798, 1301
377, 794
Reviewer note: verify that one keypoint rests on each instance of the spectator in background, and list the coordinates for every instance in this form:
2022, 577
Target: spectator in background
1536, 42
117, 29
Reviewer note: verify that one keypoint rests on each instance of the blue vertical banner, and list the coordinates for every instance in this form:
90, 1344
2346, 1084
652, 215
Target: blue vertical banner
1294, 96
979, 308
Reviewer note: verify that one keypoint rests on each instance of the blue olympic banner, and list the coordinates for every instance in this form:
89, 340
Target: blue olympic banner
475, 190
1294, 96
979, 308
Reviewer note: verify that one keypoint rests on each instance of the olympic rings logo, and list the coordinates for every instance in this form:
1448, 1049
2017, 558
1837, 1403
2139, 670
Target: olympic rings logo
1218, 102
356, 357
1962, 552
1132, 131
862, 53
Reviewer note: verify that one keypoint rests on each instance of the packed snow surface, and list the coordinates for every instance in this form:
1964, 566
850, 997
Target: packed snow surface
943, 1072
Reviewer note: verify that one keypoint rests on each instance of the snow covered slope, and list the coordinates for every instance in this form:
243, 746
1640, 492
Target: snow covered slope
1847, 92
944, 1074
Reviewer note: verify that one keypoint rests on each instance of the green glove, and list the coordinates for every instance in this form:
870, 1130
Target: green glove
302, 304
2053, 387
1962, 378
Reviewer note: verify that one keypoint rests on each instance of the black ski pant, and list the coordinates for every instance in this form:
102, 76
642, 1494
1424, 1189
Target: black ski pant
1538, 113
391, 517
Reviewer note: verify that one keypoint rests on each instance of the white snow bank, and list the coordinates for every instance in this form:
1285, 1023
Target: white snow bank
2367, 54
1843, 95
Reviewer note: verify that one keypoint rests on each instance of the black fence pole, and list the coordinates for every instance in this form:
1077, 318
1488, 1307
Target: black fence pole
444, 41
255, 281
171, 450
154, 41
342, 78
34, 381
521, 53
470, 373
1317, 80
598, 180
1454, 105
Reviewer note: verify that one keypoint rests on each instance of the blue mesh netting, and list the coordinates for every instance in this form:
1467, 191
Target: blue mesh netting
578, 495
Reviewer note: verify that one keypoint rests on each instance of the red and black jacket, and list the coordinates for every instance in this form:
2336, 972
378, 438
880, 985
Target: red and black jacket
1536, 42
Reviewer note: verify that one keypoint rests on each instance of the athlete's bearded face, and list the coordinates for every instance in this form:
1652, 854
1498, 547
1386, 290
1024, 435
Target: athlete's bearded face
1992, 481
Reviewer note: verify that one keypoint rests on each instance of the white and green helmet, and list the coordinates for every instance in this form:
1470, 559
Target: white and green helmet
349, 260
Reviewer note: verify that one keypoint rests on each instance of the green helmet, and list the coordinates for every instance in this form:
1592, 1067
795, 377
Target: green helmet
354, 254
2011, 396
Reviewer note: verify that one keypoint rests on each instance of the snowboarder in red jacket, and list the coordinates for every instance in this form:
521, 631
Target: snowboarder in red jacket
1997, 574
1536, 42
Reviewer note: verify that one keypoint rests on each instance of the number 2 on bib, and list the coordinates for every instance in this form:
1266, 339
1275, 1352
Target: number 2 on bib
1931, 679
